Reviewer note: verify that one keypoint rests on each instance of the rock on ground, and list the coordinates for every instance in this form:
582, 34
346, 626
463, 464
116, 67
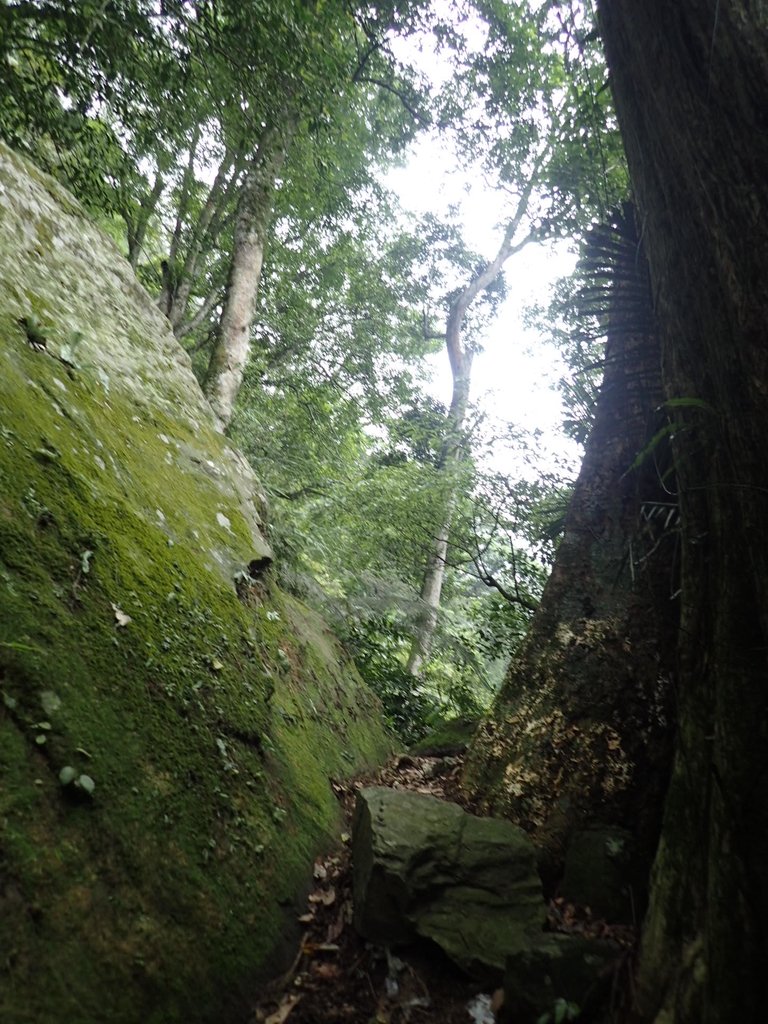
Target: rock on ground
424, 867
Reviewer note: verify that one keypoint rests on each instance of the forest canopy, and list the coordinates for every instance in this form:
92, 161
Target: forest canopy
237, 154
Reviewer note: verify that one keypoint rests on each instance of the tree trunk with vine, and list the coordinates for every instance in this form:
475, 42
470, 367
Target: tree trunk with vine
690, 81
579, 733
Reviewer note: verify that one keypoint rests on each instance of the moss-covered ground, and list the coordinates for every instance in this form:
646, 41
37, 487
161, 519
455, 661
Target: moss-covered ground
210, 721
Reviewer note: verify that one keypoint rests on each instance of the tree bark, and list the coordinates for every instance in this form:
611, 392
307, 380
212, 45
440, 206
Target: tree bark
169, 266
579, 732
690, 81
252, 220
137, 229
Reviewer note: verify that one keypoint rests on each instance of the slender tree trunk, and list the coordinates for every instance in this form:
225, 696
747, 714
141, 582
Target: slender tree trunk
170, 269
691, 85
460, 359
137, 230
579, 732
252, 220
204, 235
448, 464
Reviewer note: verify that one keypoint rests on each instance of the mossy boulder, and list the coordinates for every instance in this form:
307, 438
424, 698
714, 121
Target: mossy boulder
423, 867
446, 738
207, 709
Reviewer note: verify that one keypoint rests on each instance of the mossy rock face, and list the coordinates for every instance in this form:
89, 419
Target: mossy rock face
209, 720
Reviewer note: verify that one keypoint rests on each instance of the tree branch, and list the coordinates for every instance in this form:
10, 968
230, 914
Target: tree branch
214, 297
419, 118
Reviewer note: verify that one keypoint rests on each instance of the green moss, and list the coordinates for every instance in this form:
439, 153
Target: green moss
210, 723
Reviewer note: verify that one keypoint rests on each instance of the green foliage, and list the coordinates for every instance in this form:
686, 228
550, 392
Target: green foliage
153, 115
562, 1010
89, 90
378, 649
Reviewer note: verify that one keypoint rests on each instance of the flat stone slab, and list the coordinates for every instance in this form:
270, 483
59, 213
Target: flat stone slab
423, 867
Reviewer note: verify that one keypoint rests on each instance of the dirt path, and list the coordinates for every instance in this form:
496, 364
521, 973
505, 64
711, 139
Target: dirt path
338, 978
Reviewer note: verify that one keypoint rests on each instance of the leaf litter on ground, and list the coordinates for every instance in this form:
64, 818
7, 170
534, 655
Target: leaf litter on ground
339, 978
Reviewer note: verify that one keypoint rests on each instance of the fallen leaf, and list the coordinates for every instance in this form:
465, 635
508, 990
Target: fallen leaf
320, 872
324, 896
306, 918
281, 1013
497, 1000
120, 617
326, 971
343, 918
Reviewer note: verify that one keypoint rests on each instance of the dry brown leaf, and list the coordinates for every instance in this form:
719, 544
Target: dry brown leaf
343, 918
325, 971
326, 897
281, 1013
497, 1001
320, 871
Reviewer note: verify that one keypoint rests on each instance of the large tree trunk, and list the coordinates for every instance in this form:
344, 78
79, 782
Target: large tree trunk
691, 85
579, 732
252, 221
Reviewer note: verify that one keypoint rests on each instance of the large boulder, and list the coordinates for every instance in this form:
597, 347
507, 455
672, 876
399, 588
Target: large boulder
424, 867
168, 723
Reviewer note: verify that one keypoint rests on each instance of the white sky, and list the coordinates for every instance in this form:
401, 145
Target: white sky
514, 379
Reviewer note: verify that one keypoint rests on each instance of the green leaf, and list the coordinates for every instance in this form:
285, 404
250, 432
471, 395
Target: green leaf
50, 702
86, 783
67, 775
666, 431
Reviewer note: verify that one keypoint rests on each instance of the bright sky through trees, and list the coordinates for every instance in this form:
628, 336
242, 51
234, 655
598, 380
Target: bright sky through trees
515, 377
